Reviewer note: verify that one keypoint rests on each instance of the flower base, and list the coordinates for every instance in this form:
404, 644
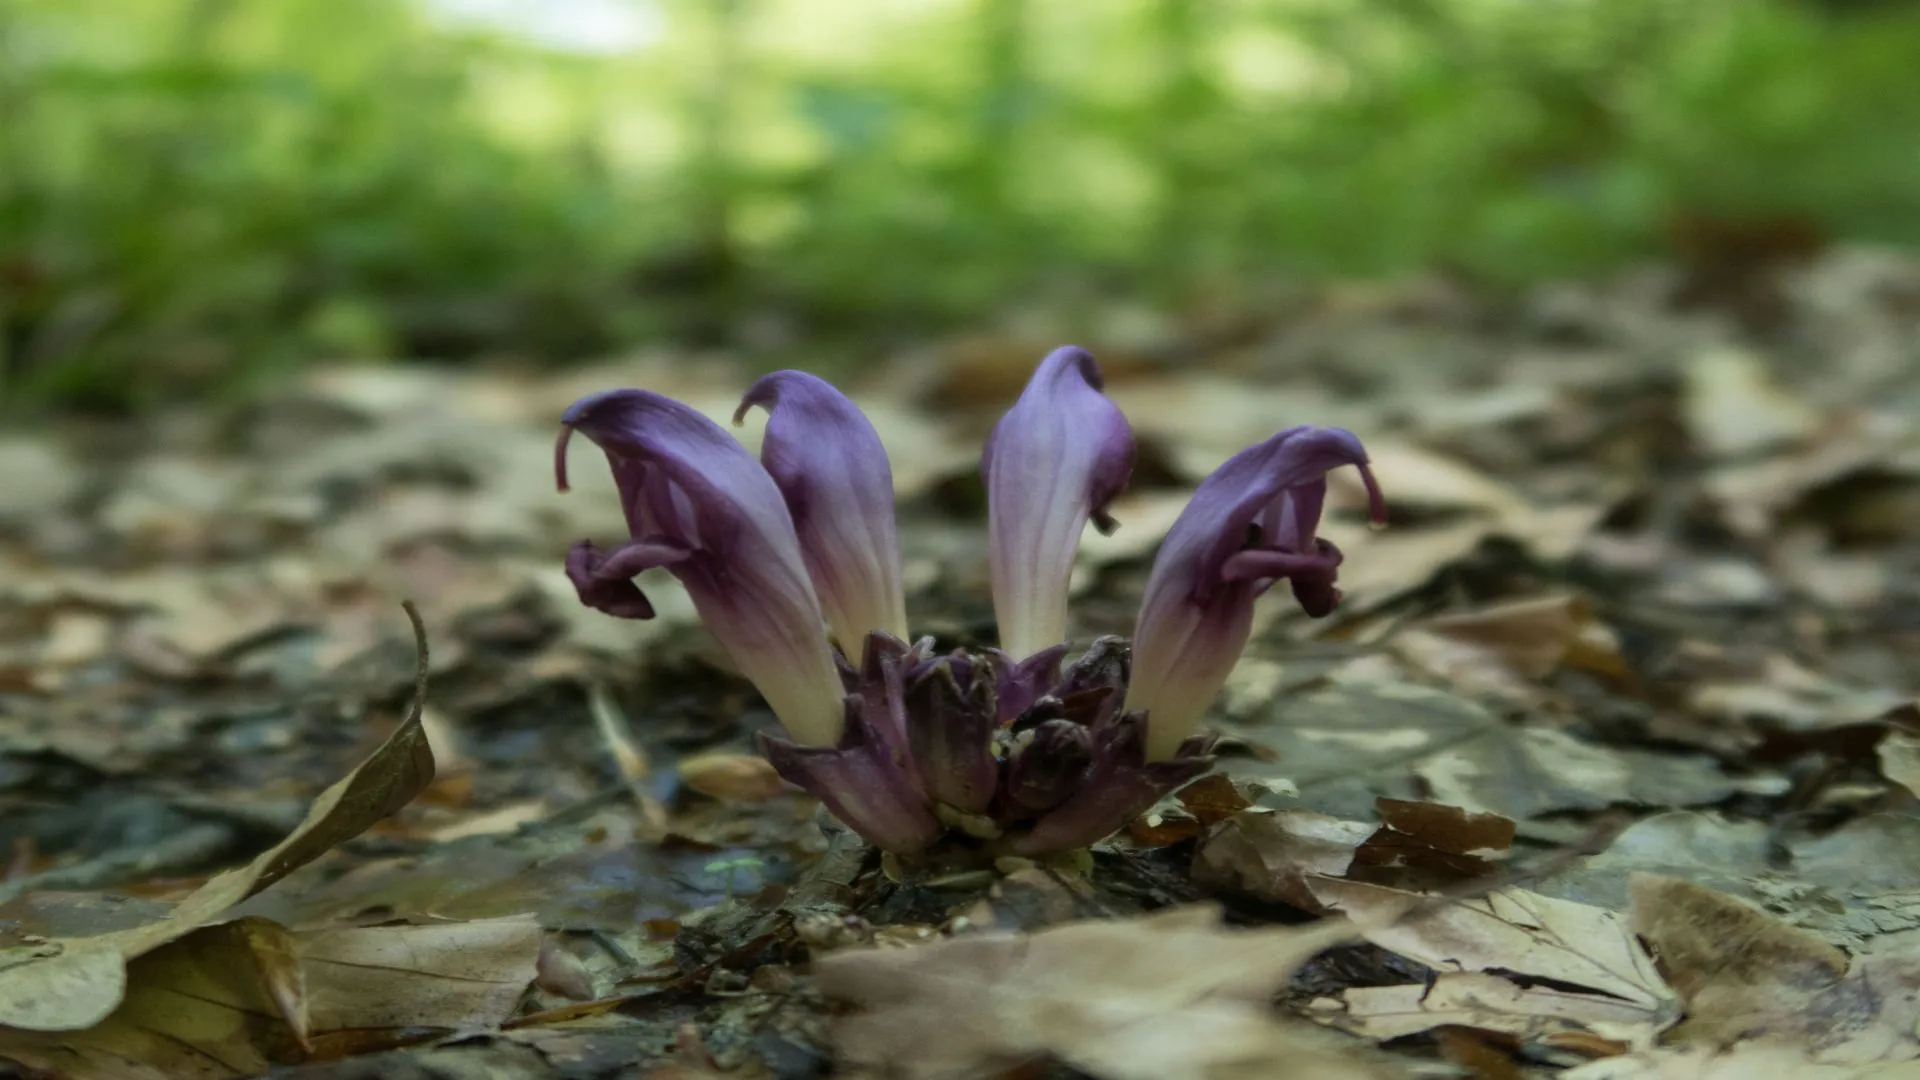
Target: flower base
968, 757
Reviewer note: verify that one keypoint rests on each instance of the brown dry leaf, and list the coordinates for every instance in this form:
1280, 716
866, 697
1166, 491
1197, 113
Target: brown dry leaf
1745, 974
1267, 854
1191, 812
1487, 1002
1432, 840
78, 985
1169, 996
1523, 933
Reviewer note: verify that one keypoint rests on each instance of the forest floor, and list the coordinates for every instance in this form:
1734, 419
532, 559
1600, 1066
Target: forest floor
1609, 756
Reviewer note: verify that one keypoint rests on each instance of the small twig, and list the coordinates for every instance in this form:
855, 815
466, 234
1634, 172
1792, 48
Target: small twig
420, 662
629, 758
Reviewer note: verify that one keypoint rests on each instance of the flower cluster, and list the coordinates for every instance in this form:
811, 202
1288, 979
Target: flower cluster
793, 563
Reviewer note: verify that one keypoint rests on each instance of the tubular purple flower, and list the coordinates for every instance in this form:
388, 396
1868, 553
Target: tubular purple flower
698, 504
1250, 524
832, 470
1056, 459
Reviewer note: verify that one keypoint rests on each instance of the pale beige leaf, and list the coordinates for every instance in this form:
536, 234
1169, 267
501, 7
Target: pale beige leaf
1899, 755
450, 975
1169, 996
1513, 930
1488, 1002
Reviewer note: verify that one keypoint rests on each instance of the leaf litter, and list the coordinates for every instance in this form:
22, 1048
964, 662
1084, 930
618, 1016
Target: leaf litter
1610, 753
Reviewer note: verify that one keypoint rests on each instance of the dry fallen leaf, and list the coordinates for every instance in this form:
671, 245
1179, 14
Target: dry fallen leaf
732, 777
236, 999
1744, 974
445, 975
1487, 1002
82, 980
1425, 841
1527, 936
1500, 651
1734, 407
1169, 996
1899, 755
1267, 854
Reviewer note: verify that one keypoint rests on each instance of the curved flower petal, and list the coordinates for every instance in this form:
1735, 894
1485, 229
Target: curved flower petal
604, 579
866, 784
831, 468
1056, 459
699, 504
1249, 525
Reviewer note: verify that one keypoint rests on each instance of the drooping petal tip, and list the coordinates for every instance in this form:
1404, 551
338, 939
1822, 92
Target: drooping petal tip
560, 457
1376, 499
1250, 525
699, 504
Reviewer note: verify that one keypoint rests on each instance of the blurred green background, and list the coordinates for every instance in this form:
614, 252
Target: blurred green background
199, 195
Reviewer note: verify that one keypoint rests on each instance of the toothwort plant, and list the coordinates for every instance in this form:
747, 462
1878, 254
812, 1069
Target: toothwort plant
1003, 751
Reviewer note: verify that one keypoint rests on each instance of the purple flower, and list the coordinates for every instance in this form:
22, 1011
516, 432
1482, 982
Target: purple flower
698, 504
1002, 751
1056, 459
1249, 525
828, 462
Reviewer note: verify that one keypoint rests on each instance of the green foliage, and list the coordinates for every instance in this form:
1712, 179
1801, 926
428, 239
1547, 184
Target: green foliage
197, 194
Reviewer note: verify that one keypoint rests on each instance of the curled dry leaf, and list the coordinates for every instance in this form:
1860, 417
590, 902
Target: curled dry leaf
1268, 855
1169, 996
1744, 974
81, 980
562, 972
